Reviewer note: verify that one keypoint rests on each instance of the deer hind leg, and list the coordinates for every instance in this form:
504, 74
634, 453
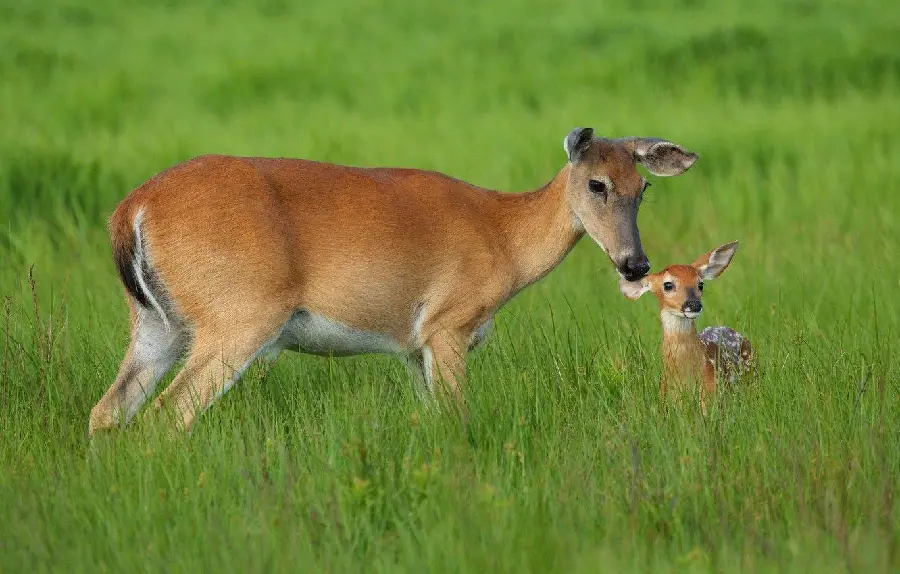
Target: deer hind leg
214, 366
153, 350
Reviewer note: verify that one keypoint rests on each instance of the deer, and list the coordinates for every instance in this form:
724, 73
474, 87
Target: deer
225, 260
716, 354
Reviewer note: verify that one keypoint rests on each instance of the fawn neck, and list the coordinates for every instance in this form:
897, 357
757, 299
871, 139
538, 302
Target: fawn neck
539, 229
682, 350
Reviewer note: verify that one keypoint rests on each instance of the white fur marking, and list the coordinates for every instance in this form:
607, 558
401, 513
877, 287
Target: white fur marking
155, 351
428, 368
418, 322
138, 265
271, 353
318, 335
728, 342
675, 323
482, 333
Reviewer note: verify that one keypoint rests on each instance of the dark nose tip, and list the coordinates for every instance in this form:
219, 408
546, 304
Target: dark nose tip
635, 268
692, 306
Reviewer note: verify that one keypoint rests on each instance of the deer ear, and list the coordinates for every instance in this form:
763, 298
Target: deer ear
712, 264
577, 142
633, 289
660, 157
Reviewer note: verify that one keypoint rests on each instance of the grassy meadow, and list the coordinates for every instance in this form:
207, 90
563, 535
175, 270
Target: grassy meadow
569, 464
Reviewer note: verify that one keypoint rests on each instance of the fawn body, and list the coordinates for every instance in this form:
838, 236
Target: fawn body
225, 259
716, 354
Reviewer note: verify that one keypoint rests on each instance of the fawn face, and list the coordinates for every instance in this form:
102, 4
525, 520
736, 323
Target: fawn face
605, 189
679, 288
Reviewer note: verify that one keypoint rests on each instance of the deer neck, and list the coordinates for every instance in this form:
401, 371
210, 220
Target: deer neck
682, 350
539, 228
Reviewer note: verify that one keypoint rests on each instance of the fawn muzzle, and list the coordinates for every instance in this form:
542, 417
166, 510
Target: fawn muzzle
692, 306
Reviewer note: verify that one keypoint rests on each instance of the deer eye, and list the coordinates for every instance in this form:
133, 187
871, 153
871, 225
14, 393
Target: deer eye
668, 286
598, 187
700, 286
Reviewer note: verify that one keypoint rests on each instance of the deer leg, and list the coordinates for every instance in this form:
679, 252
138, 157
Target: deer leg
444, 368
151, 353
213, 367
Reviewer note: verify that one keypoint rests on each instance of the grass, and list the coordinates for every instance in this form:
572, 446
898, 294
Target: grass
570, 464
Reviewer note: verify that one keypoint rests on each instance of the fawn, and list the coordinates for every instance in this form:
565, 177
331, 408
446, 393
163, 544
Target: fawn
716, 354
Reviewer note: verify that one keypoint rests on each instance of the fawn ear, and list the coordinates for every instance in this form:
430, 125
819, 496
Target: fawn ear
633, 289
712, 264
577, 142
660, 157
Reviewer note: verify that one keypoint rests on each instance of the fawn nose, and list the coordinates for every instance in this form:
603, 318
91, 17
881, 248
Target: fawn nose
635, 268
692, 306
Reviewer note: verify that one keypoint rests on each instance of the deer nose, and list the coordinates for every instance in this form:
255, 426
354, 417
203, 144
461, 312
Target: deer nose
635, 268
692, 306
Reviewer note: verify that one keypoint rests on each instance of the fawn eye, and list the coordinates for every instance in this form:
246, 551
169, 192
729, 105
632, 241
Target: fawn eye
700, 286
668, 286
598, 187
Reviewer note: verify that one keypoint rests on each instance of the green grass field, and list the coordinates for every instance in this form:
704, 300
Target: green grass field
570, 464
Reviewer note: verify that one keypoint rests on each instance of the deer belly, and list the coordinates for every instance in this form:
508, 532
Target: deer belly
308, 332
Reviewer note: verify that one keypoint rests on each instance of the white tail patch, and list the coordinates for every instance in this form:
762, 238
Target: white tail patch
138, 265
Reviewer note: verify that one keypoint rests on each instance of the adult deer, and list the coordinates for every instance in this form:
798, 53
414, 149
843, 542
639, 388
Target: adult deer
225, 259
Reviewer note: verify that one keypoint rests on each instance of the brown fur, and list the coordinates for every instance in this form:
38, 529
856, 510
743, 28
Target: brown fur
692, 361
237, 245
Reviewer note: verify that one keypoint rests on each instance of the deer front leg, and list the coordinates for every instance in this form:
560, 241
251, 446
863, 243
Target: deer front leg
444, 367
